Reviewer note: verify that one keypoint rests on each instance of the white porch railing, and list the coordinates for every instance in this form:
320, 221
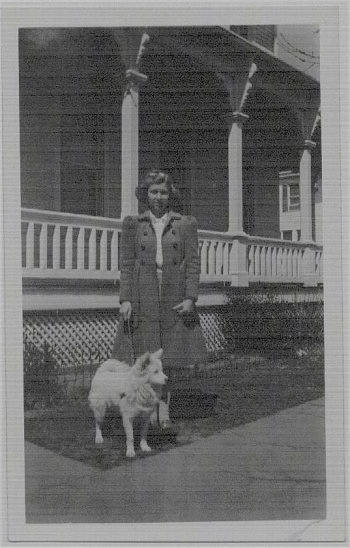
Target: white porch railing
64, 245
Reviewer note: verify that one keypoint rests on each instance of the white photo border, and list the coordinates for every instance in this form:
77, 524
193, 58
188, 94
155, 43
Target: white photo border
330, 17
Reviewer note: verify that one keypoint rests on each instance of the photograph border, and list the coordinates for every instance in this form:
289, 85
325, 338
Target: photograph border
334, 46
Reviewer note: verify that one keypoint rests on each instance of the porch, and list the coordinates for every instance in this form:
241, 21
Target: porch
70, 266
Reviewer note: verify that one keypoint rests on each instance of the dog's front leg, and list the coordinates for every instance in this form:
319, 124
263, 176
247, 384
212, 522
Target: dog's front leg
154, 416
98, 436
144, 431
129, 431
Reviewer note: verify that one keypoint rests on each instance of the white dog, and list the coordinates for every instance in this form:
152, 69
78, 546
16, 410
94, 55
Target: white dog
135, 390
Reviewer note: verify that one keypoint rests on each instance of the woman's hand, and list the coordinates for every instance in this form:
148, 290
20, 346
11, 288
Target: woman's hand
185, 307
125, 310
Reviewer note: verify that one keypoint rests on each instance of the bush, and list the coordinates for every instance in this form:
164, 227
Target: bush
260, 322
41, 377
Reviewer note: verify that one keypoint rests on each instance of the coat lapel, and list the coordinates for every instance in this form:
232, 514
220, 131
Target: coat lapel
172, 215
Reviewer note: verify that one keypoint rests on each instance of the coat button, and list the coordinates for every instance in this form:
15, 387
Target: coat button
175, 245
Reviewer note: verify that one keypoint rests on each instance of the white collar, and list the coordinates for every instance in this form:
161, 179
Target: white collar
155, 219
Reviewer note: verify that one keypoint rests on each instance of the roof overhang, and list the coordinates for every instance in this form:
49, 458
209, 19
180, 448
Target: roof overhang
222, 50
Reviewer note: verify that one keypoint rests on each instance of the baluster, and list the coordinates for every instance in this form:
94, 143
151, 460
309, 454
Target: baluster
293, 253
268, 259
56, 247
263, 260
298, 259
296, 262
211, 258
30, 245
300, 262
92, 249
274, 262
278, 262
43, 246
289, 263
114, 251
80, 248
225, 259
250, 260
69, 248
257, 260
103, 250
319, 272
315, 261
283, 261
203, 244
219, 259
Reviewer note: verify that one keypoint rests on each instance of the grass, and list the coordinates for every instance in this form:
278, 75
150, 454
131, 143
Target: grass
247, 388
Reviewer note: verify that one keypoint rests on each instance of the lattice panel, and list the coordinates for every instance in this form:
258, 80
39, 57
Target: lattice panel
74, 337
85, 336
211, 323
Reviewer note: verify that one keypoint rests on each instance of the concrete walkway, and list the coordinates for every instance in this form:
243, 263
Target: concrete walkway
271, 469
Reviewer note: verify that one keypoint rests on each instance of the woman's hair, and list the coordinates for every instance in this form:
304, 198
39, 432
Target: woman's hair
157, 177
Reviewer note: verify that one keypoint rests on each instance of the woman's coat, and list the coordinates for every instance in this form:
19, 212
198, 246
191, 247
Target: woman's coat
154, 324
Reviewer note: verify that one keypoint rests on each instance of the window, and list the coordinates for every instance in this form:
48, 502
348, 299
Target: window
290, 197
294, 197
287, 235
285, 197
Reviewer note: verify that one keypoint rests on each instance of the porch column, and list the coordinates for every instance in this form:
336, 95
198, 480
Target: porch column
130, 142
235, 177
306, 192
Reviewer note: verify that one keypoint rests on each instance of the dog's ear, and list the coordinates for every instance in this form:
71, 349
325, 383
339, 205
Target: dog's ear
158, 354
144, 360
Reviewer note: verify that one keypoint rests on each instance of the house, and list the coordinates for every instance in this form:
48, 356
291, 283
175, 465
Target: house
289, 207
212, 105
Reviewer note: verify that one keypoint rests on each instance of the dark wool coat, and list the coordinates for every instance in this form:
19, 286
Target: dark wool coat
153, 323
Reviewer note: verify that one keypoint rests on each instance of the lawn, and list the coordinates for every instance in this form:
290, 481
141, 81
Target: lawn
247, 387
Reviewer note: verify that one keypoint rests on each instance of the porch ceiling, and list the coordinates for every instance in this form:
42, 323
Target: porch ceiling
213, 47
222, 50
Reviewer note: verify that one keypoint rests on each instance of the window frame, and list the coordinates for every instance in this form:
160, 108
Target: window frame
288, 197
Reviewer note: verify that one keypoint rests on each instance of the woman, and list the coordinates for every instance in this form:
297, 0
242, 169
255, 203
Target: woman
159, 281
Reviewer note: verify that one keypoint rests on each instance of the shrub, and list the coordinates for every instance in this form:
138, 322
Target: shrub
260, 322
41, 377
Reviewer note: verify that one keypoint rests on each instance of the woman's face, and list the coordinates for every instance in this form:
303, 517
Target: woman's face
158, 199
